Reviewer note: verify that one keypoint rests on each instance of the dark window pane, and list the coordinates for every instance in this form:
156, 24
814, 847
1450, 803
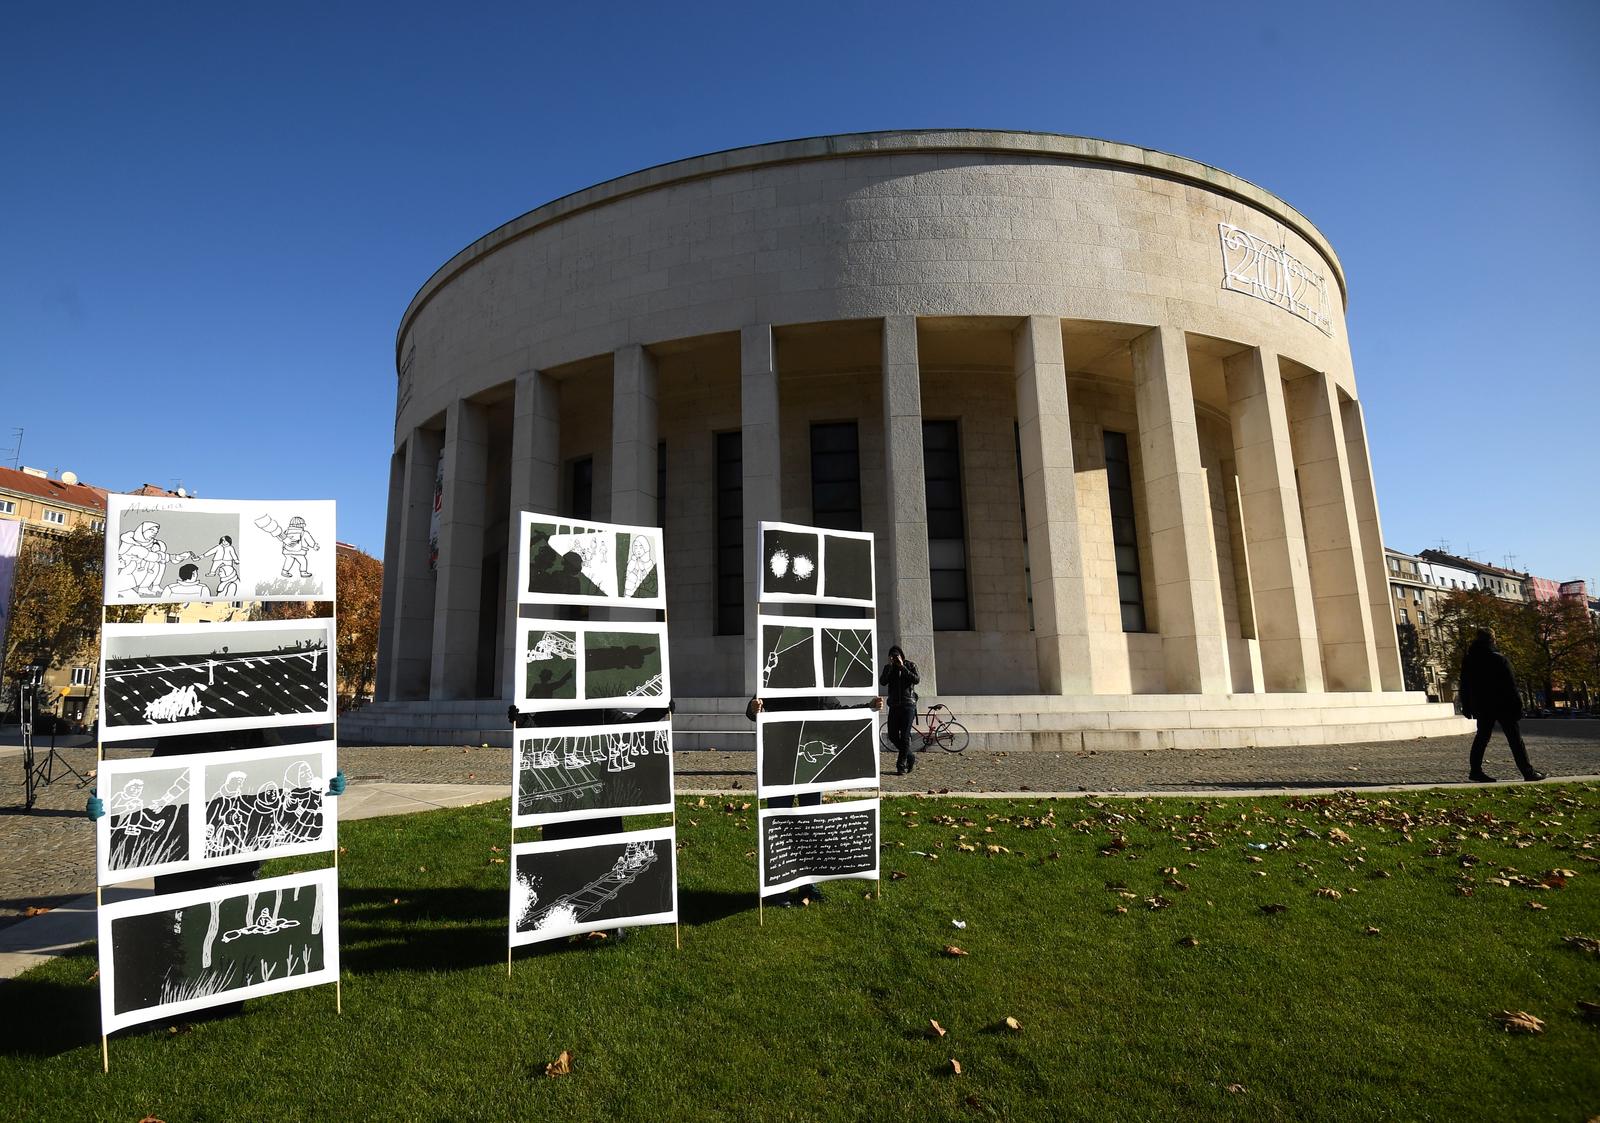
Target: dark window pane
730, 534
1124, 531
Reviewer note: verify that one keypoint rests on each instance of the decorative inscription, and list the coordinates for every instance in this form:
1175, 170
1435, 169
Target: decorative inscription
1267, 272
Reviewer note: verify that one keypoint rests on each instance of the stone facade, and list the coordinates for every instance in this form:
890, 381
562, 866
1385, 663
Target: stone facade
1082, 312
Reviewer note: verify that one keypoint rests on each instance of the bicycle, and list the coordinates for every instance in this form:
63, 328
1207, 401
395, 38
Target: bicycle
940, 732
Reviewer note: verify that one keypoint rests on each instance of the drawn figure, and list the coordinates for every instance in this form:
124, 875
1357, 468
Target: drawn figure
178, 703
297, 542
266, 925
188, 586
224, 566
641, 561
142, 558
592, 549
129, 805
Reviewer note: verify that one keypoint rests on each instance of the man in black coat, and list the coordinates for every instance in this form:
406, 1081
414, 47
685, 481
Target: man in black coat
899, 684
1489, 695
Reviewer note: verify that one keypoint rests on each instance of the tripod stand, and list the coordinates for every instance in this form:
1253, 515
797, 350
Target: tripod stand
38, 773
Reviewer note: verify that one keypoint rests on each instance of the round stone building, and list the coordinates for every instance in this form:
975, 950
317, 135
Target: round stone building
1095, 401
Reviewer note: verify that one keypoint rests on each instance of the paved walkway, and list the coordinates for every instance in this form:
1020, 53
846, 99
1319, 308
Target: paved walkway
47, 855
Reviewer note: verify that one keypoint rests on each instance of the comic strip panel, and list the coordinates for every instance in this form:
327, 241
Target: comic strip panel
568, 887
803, 845
172, 813
162, 549
198, 678
179, 952
147, 827
817, 656
811, 565
816, 750
564, 561
564, 775
575, 664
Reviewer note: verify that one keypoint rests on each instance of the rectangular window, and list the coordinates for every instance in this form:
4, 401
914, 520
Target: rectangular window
947, 528
172, 618
836, 475
1124, 534
97, 524
1422, 617
56, 517
7, 507
730, 534
583, 488
80, 676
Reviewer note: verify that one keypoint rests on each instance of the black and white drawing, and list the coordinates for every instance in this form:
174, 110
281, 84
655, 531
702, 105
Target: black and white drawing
565, 561
802, 655
804, 845
149, 815
570, 664
179, 952
267, 802
565, 775
198, 678
811, 565
164, 548
567, 887
815, 750
172, 813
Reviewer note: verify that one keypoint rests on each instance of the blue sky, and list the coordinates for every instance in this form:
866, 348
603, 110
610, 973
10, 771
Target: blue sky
212, 220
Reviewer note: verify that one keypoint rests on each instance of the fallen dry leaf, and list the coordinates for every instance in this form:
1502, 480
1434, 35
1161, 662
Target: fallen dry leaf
35, 910
1519, 1021
1236, 1089
1013, 1025
897, 875
1590, 1010
1330, 893
1537, 907
955, 1067
1189, 942
935, 1029
953, 952
1583, 943
560, 1066
1158, 902
1371, 931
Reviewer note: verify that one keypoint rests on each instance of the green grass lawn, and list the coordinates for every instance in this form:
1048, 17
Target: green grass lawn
1299, 1013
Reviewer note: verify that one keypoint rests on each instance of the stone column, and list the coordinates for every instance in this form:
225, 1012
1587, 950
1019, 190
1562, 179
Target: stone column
383, 686
535, 486
908, 600
1177, 499
633, 436
457, 602
1386, 643
1050, 496
761, 469
1280, 575
1333, 537
414, 579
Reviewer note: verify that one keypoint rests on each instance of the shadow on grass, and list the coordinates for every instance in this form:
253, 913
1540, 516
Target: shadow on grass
707, 906
65, 1016
421, 930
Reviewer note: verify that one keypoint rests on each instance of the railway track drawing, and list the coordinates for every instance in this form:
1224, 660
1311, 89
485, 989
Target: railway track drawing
560, 889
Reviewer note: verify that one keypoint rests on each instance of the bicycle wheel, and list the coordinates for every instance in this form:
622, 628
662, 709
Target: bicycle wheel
951, 736
883, 737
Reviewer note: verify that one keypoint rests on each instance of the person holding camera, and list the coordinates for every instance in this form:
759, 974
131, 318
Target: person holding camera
898, 683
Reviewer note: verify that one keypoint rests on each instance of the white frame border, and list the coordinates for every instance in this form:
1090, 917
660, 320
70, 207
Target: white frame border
525, 559
874, 805
560, 733
328, 879
330, 659
822, 533
196, 764
622, 838
525, 625
817, 624
795, 717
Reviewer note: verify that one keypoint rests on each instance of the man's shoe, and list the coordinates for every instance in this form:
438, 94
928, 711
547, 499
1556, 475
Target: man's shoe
1534, 777
1481, 778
